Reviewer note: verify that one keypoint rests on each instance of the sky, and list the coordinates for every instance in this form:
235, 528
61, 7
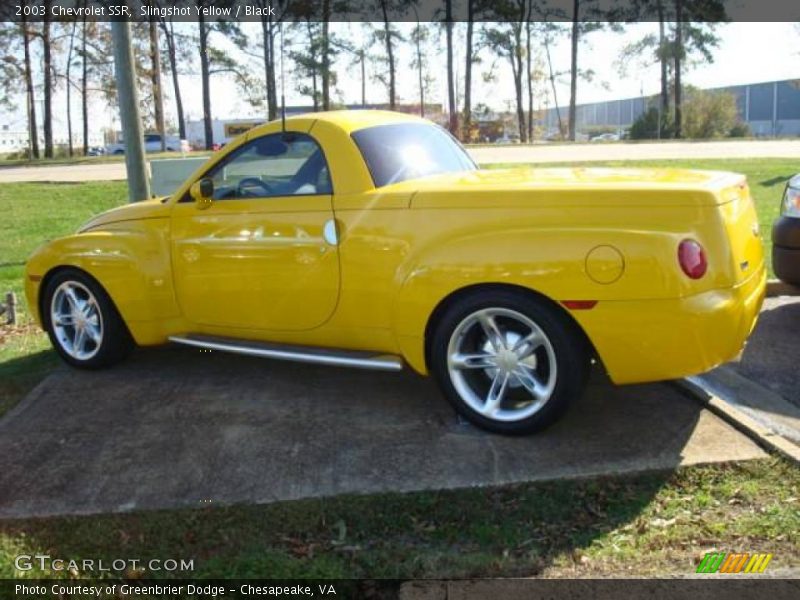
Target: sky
748, 53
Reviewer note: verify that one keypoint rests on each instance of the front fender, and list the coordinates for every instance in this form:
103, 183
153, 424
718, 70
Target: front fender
129, 259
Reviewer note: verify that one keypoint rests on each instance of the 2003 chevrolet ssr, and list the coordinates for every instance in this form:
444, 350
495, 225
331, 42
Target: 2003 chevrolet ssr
371, 239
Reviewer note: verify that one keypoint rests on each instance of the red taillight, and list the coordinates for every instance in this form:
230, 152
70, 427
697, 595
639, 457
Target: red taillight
692, 259
579, 304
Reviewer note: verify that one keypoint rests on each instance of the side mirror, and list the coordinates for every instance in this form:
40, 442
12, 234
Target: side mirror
202, 192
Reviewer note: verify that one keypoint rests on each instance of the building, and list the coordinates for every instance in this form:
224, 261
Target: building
770, 109
15, 140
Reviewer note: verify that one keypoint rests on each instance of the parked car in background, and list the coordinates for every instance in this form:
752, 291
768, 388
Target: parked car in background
152, 143
786, 235
371, 239
96, 151
605, 137
508, 139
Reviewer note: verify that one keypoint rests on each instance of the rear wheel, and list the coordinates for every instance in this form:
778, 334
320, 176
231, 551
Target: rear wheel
508, 363
82, 322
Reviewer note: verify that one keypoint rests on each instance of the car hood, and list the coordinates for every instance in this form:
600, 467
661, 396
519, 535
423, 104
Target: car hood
146, 209
578, 185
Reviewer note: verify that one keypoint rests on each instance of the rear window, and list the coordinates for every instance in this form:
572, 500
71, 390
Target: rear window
404, 151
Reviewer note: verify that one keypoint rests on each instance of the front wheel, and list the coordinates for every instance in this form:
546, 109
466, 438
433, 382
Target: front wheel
82, 322
508, 363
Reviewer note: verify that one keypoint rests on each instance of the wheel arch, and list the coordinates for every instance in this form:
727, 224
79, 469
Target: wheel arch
48, 277
456, 295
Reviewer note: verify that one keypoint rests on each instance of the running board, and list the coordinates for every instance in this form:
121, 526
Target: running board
306, 354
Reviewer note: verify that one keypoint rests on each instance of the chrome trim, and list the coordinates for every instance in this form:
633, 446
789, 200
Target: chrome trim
385, 362
330, 232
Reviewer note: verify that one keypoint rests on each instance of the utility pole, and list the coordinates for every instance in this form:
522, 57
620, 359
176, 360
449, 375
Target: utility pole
138, 183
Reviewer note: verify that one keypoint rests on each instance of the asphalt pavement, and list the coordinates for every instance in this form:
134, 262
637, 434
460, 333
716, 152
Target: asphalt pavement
772, 355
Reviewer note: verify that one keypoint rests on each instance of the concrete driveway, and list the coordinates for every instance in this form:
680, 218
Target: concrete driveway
175, 427
536, 153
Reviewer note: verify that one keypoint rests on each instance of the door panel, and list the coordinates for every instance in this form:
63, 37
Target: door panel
256, 258
260, 264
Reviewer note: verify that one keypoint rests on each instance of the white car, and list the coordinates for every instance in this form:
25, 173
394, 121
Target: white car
605, 137
152, 143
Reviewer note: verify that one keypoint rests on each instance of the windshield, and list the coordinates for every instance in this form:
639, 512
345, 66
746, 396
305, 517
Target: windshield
410, 150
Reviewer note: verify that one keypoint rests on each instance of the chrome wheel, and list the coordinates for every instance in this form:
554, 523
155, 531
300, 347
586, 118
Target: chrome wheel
76, 320
501, 364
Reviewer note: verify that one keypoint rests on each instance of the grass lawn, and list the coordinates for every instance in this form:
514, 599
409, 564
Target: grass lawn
653, 524
33, 213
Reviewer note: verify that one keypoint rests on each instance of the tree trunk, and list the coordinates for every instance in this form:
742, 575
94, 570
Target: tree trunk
269, 67
678, 58
363, 58
272, 87
47, 73
84, 91
70, 149
451, 88
155, 72
326, 59
419, 73
169, 36
662, 55
553, 85
33, 132
467, 126
516, 62
528, 67
389, 55
205, 78
573, 75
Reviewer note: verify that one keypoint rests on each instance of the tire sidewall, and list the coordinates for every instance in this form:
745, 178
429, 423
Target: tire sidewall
570, 355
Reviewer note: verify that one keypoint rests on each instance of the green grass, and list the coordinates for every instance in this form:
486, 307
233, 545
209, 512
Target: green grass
33, 213
651, 524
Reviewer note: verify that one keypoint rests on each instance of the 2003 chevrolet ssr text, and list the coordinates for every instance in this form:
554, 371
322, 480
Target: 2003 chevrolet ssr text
370, 239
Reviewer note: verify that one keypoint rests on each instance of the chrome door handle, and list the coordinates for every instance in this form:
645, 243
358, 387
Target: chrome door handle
331, 232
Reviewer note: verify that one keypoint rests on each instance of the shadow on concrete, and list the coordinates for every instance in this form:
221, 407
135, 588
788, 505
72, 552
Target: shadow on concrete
176, 427
770, 357
20, 375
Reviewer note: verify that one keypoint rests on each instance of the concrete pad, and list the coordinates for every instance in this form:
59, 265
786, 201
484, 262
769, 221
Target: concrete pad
176, 427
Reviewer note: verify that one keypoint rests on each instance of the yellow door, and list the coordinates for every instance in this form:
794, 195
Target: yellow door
264, 254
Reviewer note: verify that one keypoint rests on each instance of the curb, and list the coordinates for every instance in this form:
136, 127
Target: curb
776, 287
762, 435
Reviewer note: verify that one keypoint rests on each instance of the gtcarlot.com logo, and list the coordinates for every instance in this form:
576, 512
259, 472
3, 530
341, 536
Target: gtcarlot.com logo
45, 562
733, 562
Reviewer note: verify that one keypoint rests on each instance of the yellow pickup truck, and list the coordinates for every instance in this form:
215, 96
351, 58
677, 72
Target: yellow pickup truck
371, 239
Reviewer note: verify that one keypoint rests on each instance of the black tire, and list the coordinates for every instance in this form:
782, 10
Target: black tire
567, 349
119, 152
115, 341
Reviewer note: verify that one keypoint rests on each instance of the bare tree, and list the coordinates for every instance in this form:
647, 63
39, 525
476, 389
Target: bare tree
155, 75
505, 39
47, 76
469, 59
451, 88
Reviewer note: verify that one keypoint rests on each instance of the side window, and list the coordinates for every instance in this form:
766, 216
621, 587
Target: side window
152, 137
282, 164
